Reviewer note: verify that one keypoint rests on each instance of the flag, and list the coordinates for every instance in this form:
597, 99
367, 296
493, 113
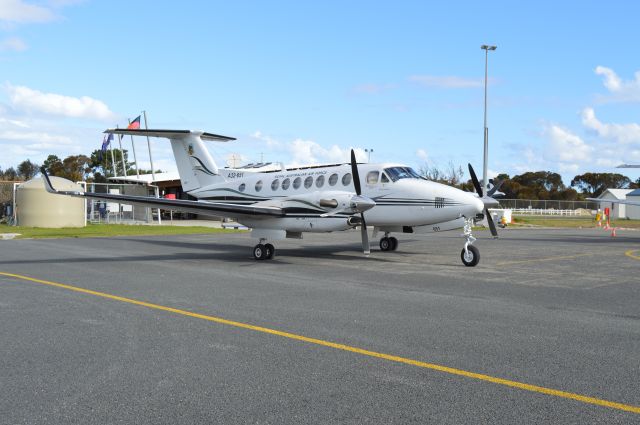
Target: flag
106, 141
135, 124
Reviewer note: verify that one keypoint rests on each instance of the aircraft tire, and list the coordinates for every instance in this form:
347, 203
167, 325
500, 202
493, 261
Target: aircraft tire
472, 258
271, 251
394, 243
260, 252
385, 244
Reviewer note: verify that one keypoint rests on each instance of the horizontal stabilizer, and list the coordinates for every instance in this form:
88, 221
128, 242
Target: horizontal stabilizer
170, 134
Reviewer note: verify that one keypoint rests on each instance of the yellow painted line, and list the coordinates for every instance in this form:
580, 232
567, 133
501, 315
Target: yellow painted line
631, 254
343, 347
536, 260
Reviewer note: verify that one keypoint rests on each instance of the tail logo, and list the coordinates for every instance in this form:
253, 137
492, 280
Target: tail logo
190, 149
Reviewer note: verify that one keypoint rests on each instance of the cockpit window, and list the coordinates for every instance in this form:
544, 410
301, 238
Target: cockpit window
384, 178
397, 173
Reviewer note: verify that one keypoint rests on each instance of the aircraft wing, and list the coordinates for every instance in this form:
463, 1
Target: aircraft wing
195, 207
615, 201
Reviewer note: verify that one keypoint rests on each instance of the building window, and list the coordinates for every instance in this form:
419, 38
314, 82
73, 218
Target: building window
346, 179
372, 177
320, 181
274, 184
297, 182
308, 182
285, 184
333, 179
259, 186
242, 187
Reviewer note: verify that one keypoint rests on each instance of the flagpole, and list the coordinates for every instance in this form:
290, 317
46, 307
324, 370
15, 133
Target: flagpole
135, 158
146, 127
124, 168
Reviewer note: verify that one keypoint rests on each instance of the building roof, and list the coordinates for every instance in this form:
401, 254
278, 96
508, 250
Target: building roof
147, 178
617, 193
634, 193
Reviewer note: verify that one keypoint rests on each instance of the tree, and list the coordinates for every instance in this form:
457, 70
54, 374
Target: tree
52, 165
27, 170
10, 174
593, 184
452, 176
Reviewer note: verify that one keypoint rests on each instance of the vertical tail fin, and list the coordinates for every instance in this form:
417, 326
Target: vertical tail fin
195, 165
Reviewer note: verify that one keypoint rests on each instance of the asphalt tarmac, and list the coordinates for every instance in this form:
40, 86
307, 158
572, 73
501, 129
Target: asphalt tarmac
190, 329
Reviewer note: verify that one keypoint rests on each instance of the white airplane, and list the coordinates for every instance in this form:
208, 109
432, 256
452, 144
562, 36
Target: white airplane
286, 203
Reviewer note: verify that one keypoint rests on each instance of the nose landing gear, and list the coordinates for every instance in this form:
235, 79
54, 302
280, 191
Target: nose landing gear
470, 255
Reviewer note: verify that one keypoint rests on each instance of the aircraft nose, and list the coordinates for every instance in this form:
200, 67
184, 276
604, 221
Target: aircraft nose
474, 205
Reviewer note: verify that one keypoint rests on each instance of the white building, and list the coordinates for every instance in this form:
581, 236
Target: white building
617, 210
633, 211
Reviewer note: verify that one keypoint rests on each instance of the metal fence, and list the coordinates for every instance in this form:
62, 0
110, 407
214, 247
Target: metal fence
114, 212
531, 205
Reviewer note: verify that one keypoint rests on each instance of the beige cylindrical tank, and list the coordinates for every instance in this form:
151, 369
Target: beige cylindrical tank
35, 207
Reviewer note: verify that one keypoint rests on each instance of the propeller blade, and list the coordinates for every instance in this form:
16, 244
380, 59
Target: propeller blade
492, 225
366, 249
354, 172
475, 181
495, 188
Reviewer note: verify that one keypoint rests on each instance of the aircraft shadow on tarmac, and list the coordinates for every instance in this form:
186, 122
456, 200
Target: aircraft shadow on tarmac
227, 252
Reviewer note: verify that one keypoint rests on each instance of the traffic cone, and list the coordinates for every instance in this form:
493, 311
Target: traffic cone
613, 232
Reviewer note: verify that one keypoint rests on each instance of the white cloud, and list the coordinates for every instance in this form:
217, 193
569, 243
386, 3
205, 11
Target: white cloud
422, 154
270, 141
12, 43
308, 152
17, 11
448, 82
566, 146
622, 91
623, 133
370, 88
30, 100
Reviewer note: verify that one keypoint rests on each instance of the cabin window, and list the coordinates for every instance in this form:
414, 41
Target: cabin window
372, 177
285, 184
259, 186
275, 184
346, 179
320, 181
297, 182
384, 178
242, 187
333, 179
308, 182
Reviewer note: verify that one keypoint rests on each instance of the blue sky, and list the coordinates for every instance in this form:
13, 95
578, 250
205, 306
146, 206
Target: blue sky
302, 82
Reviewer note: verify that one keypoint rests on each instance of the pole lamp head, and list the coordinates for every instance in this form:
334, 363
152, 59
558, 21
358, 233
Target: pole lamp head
487, 47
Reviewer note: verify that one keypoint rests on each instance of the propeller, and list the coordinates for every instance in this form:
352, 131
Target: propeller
476, 184
356, 183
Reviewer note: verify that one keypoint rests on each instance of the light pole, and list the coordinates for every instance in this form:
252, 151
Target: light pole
369, 151
485, 181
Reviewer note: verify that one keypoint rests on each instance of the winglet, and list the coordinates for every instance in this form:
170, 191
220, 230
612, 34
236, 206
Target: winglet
47, 182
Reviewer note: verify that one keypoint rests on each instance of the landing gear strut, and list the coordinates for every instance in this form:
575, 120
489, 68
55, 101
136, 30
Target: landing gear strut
388, 243
264, 251
470, 255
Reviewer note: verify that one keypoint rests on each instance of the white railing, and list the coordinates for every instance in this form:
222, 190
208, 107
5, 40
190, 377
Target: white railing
542, 211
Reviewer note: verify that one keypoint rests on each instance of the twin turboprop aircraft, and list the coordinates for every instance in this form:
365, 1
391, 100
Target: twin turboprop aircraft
286, 203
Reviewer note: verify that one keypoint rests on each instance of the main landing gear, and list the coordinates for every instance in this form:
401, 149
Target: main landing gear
470, 255
388, 243
263, 251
